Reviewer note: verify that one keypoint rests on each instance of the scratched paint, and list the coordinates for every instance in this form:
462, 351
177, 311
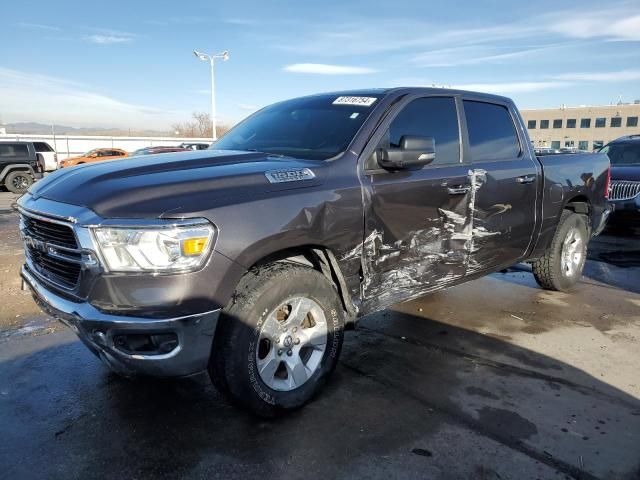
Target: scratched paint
425, 259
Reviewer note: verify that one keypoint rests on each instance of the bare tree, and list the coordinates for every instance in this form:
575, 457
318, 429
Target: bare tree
198, 126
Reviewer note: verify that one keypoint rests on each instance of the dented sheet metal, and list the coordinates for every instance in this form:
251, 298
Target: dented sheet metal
423, 259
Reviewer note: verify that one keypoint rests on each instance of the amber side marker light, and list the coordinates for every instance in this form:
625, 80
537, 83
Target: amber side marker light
194, 246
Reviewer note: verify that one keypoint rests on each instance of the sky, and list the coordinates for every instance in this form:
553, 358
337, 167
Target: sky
129, 64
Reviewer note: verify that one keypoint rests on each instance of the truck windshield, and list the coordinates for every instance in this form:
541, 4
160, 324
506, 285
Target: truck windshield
623, 153
315, 128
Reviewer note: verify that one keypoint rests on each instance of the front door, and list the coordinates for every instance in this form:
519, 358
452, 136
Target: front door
416, 220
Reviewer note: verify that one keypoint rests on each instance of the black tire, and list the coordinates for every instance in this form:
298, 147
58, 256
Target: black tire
233, 364
18, 181
548, 270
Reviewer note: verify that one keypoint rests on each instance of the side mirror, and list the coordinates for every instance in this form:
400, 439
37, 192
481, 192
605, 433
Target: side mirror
414, 151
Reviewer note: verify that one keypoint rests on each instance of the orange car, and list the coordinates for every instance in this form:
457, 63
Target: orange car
95, 155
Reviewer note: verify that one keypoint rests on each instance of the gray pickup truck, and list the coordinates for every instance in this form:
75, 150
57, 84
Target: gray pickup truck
250, 259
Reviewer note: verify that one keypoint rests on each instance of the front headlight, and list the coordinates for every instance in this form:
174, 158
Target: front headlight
168, 249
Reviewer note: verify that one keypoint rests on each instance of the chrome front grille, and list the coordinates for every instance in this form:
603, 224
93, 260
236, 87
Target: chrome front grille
624, 190
52, 249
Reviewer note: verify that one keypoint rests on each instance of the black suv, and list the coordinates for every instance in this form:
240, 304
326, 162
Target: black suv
20, 165
624, 154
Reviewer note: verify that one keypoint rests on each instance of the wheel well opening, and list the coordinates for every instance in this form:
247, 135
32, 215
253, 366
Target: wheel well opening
321, 259
14, 170
578, 204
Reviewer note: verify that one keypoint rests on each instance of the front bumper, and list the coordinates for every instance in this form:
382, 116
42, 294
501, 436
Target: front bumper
99, 332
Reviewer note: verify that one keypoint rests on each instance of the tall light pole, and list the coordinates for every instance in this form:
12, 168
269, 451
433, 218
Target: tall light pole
211, 59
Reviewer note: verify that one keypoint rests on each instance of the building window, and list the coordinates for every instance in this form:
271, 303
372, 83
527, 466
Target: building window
616, 121
632, 121
557, 123
601, 122
597, 144
571, 123
531, 124
568, 143
585, 123
544, 124
583, 145
555, 144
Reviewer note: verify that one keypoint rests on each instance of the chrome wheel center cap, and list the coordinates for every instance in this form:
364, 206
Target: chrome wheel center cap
288, 341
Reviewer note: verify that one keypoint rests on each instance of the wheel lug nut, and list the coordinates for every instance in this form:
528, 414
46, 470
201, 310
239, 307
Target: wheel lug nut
296, 341
279, 352
294, 329
289, 352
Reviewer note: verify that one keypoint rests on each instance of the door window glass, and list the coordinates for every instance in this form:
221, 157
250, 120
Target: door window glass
492, 134
428, 117
13, 150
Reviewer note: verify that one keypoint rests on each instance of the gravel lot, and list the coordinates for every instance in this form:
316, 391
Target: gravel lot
495, 379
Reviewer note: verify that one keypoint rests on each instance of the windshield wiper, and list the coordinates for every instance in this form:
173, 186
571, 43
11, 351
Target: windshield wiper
278, 155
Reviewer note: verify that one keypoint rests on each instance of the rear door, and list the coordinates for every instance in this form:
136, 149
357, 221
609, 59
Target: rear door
415, 219
505, 180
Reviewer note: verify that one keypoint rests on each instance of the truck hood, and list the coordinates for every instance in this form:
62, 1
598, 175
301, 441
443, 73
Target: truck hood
631, 172
173, 184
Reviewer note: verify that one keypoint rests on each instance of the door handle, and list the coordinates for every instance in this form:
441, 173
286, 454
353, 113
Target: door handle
526, 179
458, 190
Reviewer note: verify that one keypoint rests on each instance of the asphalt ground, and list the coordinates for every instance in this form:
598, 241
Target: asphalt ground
494, 379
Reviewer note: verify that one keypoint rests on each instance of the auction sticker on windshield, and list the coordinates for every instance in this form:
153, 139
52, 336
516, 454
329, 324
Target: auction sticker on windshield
361, 101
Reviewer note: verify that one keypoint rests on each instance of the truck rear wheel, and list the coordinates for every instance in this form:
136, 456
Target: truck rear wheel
561, 266
18, 181
279, 339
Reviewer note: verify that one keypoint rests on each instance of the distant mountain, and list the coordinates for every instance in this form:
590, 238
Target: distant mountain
33, 128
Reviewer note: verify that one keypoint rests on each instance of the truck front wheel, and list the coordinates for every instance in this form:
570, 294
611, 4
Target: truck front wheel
561, 266
279, 339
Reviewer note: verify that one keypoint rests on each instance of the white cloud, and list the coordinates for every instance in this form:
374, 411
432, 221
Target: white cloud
108, 39
243, 22
545, 83
324, 69
39, 98
512, 87
612, 24
370, 36
473, 55
39, 26
409, 36
619, 76
248, 107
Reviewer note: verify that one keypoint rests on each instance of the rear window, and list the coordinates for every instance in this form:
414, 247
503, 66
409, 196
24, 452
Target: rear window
623, 153
492, 134
42, 147
13, 150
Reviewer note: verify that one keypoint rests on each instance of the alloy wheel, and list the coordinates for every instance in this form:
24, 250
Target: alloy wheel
292, 342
